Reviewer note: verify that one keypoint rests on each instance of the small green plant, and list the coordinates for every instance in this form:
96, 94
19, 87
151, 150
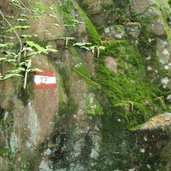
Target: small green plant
19, 60
67, 39
95, 49
93, 107
39, 9
83, 45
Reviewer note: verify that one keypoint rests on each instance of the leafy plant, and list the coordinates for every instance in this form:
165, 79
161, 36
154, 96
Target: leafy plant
83, 45
39, 8
20, 60
95, 49
19, 27
67, 39
98, 49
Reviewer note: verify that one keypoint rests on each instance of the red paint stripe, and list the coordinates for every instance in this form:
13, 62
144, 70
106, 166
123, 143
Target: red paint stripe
44, 86
45, 73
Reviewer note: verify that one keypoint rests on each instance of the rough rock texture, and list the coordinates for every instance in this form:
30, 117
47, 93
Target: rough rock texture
103, 89
48, 26
111, 63
159, 121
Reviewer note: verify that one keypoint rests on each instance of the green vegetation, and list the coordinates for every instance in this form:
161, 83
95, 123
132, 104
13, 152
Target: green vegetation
94, 37
94, 108
18, 55
127, 94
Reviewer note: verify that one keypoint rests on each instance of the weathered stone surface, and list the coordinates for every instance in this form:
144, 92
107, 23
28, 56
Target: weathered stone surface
96, 6
89, 58
44, 165
149, 14
113, 32
80, 137
160, 121
156, 24
48, 25
166, 156
99, 11
4, 164
133, 29
163, 50
45, 102
111, 63
139, 7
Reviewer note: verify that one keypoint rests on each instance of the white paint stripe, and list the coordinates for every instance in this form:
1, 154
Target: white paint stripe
40, 79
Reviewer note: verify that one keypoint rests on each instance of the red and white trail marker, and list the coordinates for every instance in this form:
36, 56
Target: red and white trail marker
45, 80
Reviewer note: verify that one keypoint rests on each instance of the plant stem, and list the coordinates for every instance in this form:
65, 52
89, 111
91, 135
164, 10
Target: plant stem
26, 74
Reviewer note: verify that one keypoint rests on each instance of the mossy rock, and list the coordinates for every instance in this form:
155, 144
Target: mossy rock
128, 93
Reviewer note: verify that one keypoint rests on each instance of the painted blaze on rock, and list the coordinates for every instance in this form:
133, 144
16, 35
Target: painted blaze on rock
44, 80
45, 102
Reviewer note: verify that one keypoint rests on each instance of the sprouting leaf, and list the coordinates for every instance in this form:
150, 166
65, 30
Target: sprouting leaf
4, 45
31, 54
81, 44
67, 38
26, 36
37, 47
77, 22
57, 25
50, 49
22, 27
21, 19
11, 75
35, 70
23, 15
18, 28
102, 47
23, 63
10, 60
2, 59
51, 15
10, 17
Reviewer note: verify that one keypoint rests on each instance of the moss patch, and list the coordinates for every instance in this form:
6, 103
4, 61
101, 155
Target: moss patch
127, 94
92, 33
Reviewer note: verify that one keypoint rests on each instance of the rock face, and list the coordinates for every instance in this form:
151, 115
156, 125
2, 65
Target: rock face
112, 74
111, 63
160, 121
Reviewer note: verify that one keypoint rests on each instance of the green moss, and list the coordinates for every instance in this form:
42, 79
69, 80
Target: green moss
66, 112
127, 94
65, 75
79, 63
92, 33
65, 10
70, 108
71, 21
4, 151
94, 108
